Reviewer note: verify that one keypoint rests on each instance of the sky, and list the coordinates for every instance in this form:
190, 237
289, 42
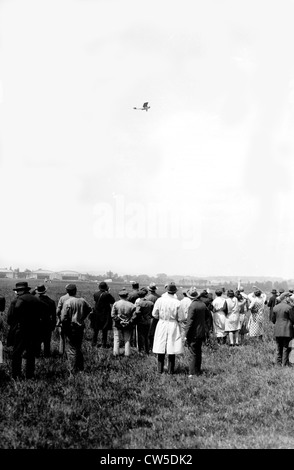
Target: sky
201, 184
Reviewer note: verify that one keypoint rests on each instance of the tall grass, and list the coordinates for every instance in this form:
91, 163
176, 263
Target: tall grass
242, 401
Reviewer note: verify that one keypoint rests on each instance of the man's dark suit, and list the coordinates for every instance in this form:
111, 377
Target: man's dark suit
24, 317
283, 319
198, 323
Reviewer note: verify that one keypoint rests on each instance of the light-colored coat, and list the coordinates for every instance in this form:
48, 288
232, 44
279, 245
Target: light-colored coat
167, 338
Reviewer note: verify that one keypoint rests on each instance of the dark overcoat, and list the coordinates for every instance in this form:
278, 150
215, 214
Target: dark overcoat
101, 316
283, 319
198, 321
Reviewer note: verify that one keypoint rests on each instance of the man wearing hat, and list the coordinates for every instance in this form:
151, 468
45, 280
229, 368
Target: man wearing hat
198, 322
24, 318
152, 297
74, 312
132, 297
101, 316
152, 294
49, 318
143, 312
167, 338
272, 302
123, 316
189, 296
134, 294
283, 319
2, 308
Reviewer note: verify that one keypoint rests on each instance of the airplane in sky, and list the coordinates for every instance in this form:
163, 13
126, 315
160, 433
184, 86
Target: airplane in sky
145, 107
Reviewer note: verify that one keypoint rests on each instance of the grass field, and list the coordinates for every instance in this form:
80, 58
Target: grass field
242, 400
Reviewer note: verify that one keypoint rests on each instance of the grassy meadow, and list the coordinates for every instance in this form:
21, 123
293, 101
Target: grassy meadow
242, 400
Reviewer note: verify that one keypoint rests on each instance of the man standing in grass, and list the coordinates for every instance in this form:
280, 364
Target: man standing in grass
2, 308
123, 315
272, 302
101, 315
199, 320
74, 312
167, 338
144, 309
24, 318
283, 319
132, 297
61, 301
49, 320
152, 297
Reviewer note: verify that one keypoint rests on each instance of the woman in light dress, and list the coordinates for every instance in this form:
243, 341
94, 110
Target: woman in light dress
232, 322
219, 316
256, 319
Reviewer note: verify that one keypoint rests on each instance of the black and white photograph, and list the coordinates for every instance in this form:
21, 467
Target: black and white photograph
146, 237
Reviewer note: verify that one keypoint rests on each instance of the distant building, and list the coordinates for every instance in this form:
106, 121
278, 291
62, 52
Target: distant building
7, 273
68, 276
39, 274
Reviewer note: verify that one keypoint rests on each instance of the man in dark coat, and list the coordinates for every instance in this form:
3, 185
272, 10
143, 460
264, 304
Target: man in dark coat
2, 308
100, 318
2, 303
132, 297
271, 303
283, 319
24, 318
144, 310
49, 319
198, 322
152, 297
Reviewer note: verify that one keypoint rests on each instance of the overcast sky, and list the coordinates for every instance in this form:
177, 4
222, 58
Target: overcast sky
201, 184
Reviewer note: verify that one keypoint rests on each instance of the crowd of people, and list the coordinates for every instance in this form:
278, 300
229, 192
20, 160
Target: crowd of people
141, 318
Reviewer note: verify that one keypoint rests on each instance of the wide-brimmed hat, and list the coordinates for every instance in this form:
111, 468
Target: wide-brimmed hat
192, 293
21, 286
103, 285
274, 291
40, 289
171, 288
123, 292
152, 287
284, 295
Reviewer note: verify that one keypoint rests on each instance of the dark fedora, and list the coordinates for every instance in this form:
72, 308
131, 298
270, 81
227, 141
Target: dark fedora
103, 285
21, 286
172, 288
41, 289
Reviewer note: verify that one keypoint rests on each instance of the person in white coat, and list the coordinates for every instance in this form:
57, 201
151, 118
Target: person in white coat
167, 338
